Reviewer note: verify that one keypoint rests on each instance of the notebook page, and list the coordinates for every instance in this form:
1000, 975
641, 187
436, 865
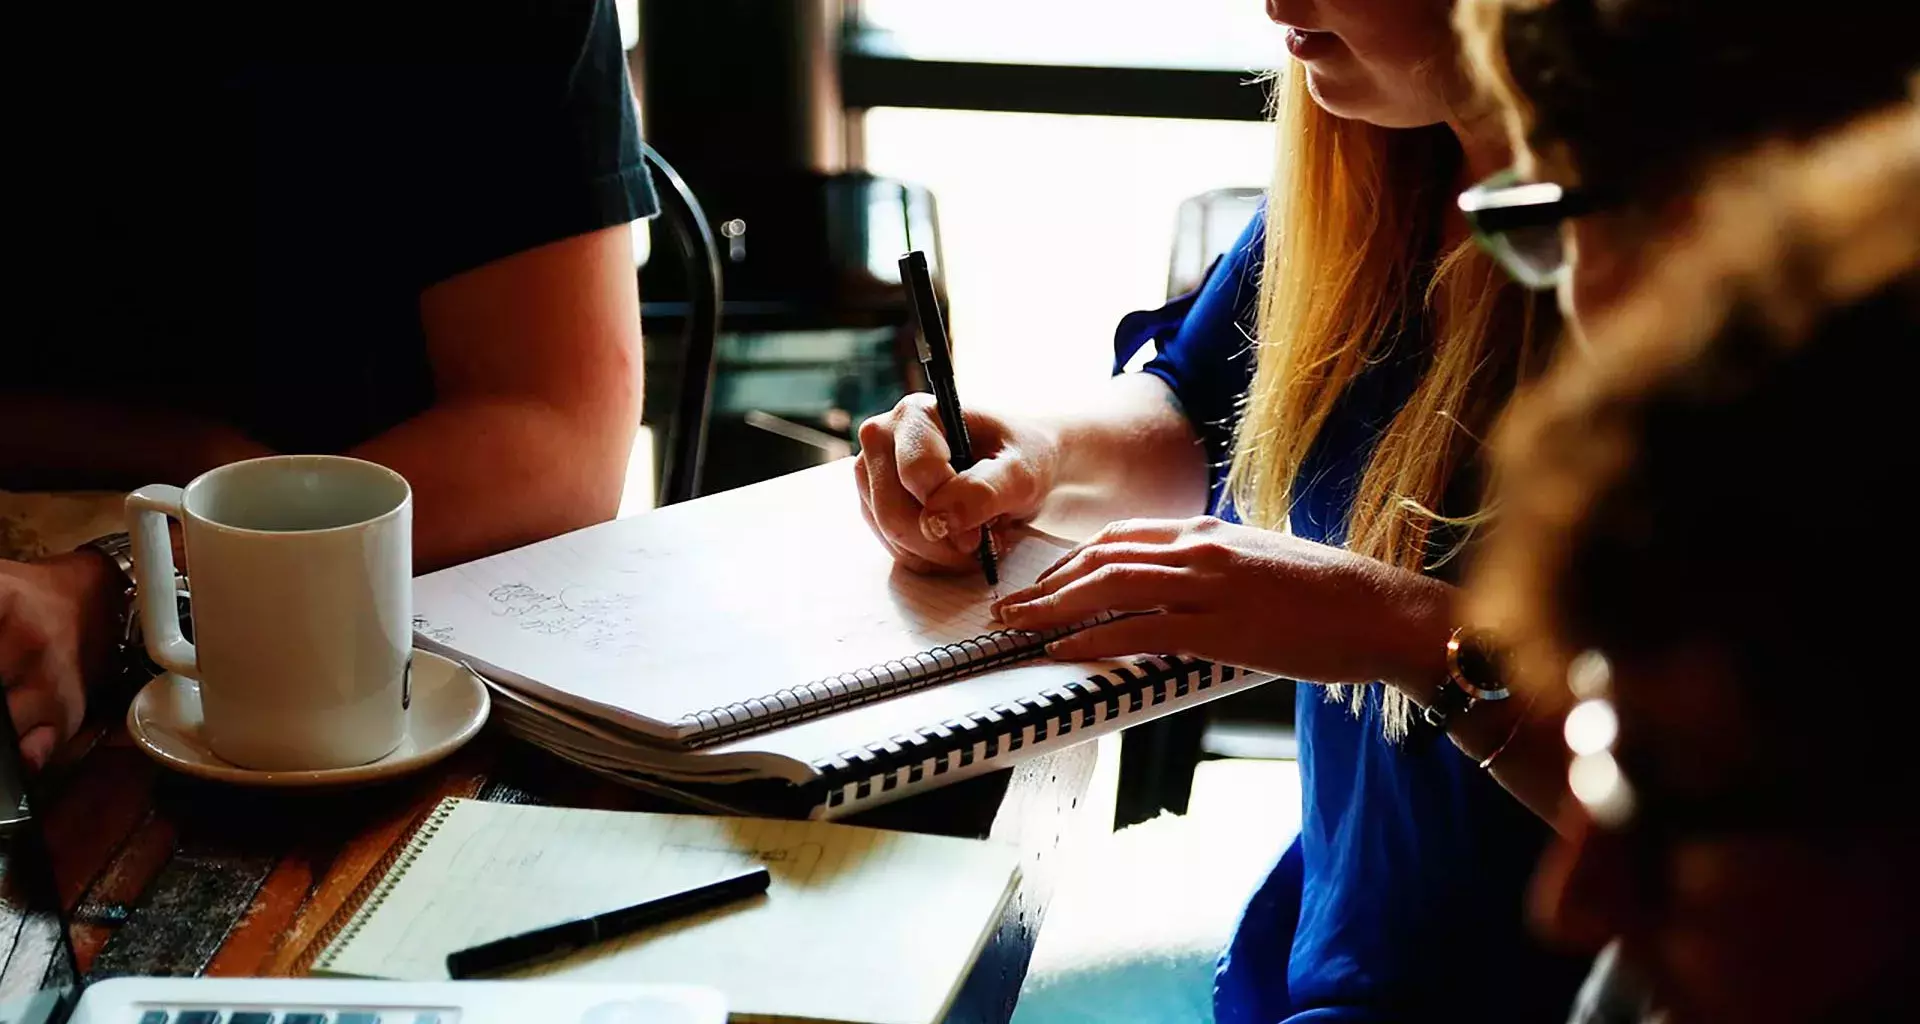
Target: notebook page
707, 603
903, 915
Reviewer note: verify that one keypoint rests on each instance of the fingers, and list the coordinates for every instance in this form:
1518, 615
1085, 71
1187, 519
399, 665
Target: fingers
1132, 587
40, 663
1155, 633
955, 505
37, 715
1002, 487
925, 463
920, 450
1125, 531
903, 456
900, 555
23, 644
1085, 560
37, 746
899, 517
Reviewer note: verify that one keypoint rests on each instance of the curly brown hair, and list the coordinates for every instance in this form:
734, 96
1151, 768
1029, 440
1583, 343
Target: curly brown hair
1639, 97
1718, 468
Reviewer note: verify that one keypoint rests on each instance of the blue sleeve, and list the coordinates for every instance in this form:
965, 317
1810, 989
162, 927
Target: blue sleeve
1205, 347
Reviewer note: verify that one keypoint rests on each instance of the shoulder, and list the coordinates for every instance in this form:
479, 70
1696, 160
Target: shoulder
1240, 264
1223, 309
1229, 297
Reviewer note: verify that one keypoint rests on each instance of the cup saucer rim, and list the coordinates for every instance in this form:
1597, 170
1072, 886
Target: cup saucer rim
210, 766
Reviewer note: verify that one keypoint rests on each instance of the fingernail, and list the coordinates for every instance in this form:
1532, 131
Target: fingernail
934, 527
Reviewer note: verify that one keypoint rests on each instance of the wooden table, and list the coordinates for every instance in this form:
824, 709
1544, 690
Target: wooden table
166, 875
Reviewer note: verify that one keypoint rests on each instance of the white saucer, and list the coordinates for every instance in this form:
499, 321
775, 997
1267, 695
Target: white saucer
450, 704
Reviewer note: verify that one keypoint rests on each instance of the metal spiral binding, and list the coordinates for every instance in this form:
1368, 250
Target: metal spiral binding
390, 875
909, 758
901, 675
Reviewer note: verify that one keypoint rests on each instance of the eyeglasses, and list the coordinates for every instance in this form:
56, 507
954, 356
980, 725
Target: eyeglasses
1518, 224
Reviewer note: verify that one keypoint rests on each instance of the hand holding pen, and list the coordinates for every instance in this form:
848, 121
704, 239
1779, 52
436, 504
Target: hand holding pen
925, 513
936, 358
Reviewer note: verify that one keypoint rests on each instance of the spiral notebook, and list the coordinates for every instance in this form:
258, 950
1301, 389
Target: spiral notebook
907, 913
764, 634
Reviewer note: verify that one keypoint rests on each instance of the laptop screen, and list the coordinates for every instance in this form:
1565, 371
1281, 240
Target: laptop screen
38, 983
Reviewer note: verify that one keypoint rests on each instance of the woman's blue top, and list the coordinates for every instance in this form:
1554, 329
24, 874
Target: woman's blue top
1403, 897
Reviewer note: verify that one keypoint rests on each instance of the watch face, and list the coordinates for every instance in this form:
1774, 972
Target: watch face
1478, 667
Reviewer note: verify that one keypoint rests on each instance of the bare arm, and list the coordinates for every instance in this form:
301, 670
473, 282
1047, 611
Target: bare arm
1130, 452
1533, 763
536, 363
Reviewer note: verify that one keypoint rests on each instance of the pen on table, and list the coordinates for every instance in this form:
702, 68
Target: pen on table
936, 358
531, 947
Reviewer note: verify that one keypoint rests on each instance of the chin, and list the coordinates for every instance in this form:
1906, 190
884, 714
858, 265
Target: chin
1361, 101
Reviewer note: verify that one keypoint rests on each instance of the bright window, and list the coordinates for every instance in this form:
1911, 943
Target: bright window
1204, 34
1054, 227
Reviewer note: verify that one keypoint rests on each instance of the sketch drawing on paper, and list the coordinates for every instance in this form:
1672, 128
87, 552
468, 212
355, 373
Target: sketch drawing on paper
439, 633
598, 620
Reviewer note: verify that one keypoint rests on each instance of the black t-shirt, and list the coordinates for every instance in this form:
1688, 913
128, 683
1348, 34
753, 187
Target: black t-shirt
233, 209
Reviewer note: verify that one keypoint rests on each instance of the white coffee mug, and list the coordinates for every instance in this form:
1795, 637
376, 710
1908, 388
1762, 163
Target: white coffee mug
301, 571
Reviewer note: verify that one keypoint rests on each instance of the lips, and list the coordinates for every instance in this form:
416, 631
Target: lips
1305, 45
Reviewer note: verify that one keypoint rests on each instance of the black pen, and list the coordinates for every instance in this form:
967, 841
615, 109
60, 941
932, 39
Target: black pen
526, 948
936, 358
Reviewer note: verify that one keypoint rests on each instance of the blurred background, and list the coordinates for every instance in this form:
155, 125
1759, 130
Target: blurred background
1040, 150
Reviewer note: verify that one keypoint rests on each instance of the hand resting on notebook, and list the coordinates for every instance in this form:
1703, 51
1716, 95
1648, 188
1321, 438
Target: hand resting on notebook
1243, 596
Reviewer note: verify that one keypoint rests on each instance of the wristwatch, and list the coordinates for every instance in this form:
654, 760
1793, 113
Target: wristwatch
1474, 673
130, 656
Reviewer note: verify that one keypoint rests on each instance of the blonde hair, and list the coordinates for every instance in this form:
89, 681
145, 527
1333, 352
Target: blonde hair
1353, 221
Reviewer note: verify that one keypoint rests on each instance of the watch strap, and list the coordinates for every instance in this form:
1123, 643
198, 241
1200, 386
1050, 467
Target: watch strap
1449, 699
118, 547
130, 660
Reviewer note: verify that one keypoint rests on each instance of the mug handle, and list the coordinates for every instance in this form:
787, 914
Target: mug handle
147, 512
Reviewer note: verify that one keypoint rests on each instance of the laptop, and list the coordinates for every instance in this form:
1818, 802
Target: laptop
32, 924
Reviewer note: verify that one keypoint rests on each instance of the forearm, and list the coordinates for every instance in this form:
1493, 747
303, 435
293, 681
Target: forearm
1127, 452
52, 442
1533, 767
490, 474
1521, 734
